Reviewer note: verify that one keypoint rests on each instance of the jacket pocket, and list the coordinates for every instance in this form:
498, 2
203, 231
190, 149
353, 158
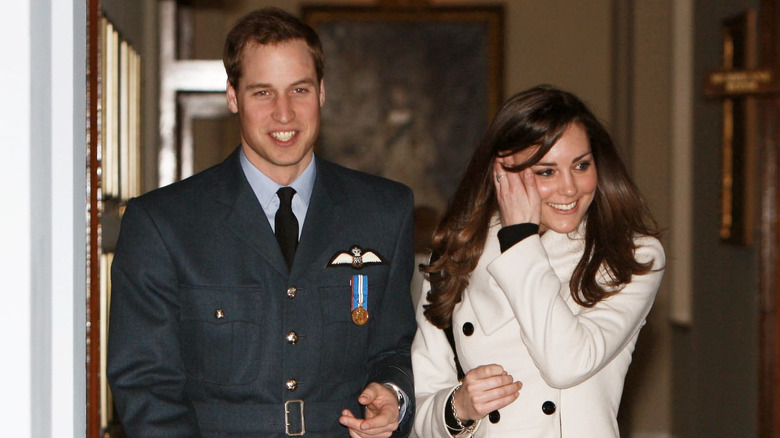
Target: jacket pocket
220, 333
346, 344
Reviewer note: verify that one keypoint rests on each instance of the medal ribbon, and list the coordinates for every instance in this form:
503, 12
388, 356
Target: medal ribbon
359, 291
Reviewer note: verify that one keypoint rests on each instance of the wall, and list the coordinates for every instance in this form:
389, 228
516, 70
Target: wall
42, 229
16, 230
546, 42
647, 138
716, 359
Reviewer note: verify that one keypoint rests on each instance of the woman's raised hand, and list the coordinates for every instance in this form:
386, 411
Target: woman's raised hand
518, 198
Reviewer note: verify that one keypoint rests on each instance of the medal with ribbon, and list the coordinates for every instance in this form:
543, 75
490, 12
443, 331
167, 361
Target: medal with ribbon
359, 285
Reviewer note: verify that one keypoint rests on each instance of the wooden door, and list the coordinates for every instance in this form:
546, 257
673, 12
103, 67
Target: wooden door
769, 142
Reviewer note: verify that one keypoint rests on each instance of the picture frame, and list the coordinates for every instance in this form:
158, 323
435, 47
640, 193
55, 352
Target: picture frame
410, 89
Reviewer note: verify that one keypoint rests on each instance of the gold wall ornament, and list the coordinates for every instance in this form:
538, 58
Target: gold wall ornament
737, 85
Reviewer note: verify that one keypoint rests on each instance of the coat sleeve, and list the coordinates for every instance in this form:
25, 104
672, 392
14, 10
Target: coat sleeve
144, 367
568, 348
393, 330
435, 375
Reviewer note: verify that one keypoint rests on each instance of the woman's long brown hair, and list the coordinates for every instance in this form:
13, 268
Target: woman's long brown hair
538, 117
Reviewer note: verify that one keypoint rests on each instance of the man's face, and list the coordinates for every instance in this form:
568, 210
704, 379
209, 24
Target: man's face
278, 102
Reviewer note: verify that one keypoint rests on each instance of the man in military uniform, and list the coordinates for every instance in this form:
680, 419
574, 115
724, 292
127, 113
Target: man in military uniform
269, 295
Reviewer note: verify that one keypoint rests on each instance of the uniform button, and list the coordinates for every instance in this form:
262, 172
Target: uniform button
292, 291
292, 385
494, 417
292, 338
548, 407
219, 314
468, 329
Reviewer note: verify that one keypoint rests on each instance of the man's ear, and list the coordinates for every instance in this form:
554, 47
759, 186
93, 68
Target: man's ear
232, 100
322, 92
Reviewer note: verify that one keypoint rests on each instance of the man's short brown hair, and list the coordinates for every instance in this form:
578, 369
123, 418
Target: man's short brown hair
268, 26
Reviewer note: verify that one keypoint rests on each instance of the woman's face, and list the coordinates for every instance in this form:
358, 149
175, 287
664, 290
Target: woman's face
566, 178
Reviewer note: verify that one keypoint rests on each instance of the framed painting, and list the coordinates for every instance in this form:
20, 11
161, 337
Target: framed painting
409, 89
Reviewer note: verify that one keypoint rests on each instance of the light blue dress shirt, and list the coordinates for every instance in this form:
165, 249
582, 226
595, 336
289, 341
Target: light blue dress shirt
265, 190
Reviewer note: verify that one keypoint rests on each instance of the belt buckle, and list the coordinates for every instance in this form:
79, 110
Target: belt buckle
287, 419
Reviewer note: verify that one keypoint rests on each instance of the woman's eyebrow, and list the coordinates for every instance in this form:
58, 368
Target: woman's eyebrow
573, 161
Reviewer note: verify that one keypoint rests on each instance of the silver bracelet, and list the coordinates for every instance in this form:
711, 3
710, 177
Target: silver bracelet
464, 431
455, 411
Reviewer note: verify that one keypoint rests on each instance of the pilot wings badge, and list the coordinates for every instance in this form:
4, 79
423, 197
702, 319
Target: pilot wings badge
356, 257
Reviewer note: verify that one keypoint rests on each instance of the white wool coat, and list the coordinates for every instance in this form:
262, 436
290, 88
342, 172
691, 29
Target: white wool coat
571, 358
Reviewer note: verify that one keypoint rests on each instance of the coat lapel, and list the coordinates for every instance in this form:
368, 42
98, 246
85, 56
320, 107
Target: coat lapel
325, 218
245, 217
490, 306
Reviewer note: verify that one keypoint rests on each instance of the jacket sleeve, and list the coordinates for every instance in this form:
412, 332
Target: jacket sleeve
569, 347
393, 330
144, 366
435, 375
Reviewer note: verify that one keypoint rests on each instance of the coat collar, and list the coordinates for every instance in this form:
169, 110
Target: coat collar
248, 222
324, 218
490, 304
246, 218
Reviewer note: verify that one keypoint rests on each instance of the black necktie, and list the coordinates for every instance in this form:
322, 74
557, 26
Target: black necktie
286, 224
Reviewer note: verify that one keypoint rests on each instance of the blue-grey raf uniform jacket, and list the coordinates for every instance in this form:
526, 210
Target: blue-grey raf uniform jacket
211, 334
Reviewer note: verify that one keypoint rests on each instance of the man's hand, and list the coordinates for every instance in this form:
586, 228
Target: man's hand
381, 413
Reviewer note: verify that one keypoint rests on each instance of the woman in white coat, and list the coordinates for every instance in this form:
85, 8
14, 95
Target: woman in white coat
548, 265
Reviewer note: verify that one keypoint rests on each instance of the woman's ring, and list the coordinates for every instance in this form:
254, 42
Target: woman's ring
499, 176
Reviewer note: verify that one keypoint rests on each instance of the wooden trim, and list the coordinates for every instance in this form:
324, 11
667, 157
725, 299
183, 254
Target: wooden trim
93, 231
769, 318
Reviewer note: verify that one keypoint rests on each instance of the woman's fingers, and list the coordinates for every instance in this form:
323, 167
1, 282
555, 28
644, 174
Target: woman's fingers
496, 404
484, 389
496, 397
484, 371
533, 196
517, 194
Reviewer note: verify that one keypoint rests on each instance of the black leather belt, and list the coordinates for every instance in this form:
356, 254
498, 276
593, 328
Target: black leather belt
294, 417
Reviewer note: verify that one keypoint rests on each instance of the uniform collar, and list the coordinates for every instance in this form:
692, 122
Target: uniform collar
265, 188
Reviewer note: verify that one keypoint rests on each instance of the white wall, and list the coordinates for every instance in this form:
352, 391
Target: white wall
15, 263
42, 228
